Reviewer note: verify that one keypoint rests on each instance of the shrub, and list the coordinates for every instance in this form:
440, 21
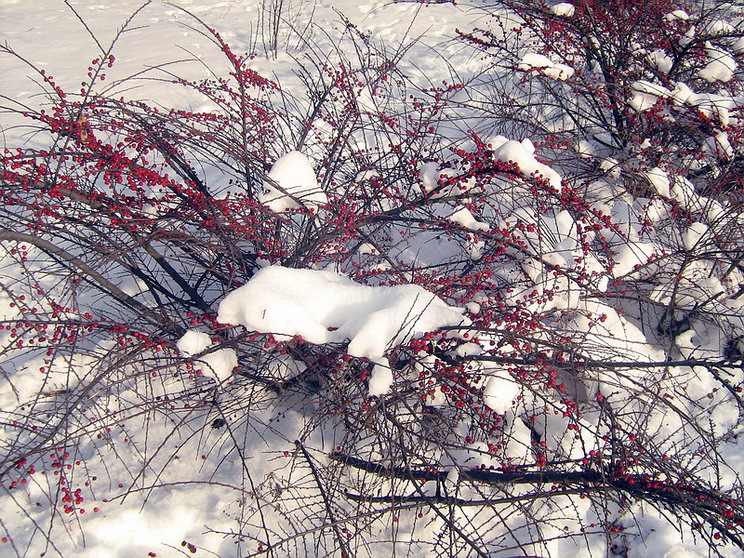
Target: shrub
587, 225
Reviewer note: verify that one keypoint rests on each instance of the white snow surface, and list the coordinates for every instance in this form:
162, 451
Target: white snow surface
292, 184
381, 379
217, 364
325, 307
563, 9
465, 218
660, 60
522, 153
500, 392
433, 179
193, 342
721, 66
646, 95
544, 65
677, 15
719, 146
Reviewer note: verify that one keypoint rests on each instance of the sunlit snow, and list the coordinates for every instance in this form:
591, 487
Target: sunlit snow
291, 184
325, 307
544, 65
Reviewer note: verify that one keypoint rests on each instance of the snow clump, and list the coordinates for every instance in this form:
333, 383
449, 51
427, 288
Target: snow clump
500, 392
719, 146
465, 218
721, 66
292, 184
325, 307
680, 15
660, 60
217, 364
522, 153
544, 65
563, 9
646, 95
442, 183
193, 342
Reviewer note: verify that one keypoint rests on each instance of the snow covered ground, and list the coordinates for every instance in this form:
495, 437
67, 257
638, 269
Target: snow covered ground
169, 480
50, 34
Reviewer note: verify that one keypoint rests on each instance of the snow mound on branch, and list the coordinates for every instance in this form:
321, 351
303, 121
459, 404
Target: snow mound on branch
463, 217
292, 184
500, 392
718, 27
659, 180
430, 177
381, 378
709, 104
683, 191
660, 60
646, 95
325, 307
522, 153
738, 46
193, 342
694, 233
719, 146
721, 66
677, 15
544, 65
442, 183
563, 9
217, 364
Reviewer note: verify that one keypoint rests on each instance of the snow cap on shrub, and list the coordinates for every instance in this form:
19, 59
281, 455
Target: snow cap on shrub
325, 307
292, 184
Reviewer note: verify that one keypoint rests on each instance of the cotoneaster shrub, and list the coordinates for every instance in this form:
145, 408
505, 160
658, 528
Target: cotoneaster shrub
587, 220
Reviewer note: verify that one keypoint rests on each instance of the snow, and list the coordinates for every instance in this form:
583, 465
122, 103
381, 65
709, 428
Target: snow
217, 364
291, 184
680, 15
381, 379
718, 27
500, 392
193, 342
738, 46
431, 176
688, 37
658, 537
325, 307
659, 180
694, 233
522, 153
434, 181
660, 60
646, 95
719, 146
463, 217
710, 104
721, 66
543, 65
474, 246
27, 384
284, 367
563, 9
630, 255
